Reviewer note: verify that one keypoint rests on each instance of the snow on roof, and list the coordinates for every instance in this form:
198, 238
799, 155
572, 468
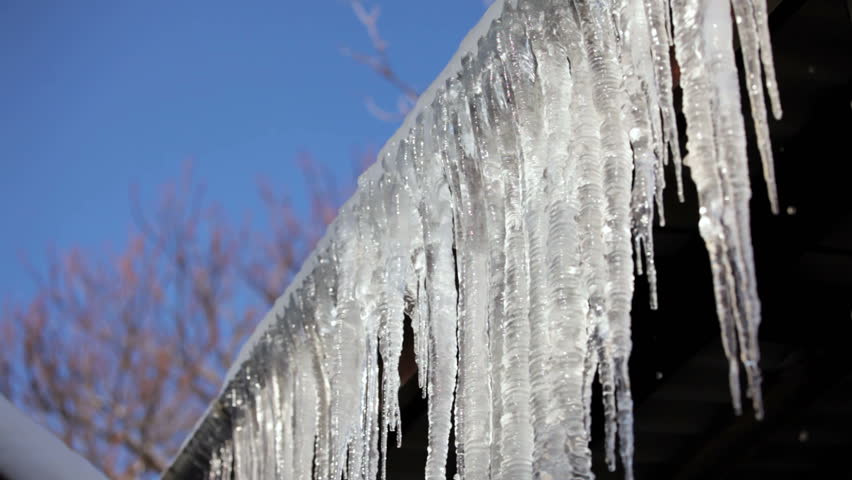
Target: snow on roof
29, 451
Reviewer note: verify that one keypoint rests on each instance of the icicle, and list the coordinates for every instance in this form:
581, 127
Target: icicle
718, 168
484, 101
414, 155
472, 256
761, 20
659, 22
502, 220
568, 311
751, 45
645, 134
441, 299
734, 172
613, 333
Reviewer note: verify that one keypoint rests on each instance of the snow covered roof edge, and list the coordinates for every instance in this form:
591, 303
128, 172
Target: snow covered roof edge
29, 451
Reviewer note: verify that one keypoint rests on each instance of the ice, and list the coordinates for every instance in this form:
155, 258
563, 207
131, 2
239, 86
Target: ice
506, 220
754, 39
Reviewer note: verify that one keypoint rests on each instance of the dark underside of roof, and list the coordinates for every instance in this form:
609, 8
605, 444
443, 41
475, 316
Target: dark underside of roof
685, 426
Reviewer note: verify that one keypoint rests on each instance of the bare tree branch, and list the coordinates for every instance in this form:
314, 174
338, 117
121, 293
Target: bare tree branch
379, 62
120, 354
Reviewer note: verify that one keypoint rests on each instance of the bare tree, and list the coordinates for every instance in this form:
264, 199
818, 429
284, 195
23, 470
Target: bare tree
120, 355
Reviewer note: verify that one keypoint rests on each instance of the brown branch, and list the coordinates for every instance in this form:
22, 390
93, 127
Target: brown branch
379, 62
120, 355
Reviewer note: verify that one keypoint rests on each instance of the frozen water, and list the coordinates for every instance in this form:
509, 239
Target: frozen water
505, 219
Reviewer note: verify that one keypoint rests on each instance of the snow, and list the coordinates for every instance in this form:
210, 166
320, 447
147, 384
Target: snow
506, 219
28, 451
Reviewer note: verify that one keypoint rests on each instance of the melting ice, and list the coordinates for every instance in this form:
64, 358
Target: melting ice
506, 219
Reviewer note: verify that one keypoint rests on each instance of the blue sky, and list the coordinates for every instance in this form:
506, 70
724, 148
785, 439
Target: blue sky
100, 95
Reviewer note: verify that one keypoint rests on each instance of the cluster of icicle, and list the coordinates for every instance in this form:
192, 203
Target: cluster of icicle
503, 220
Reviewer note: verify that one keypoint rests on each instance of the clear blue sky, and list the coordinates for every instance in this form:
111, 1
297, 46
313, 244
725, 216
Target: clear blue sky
98, 95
